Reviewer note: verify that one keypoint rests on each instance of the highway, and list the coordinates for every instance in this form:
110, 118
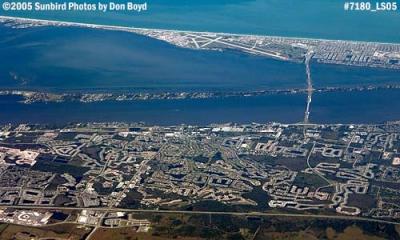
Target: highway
260, 214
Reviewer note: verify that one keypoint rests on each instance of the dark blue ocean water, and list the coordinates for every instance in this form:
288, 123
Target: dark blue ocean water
305, 18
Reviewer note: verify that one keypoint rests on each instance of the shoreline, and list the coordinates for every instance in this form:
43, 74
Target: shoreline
32, 96
123, 28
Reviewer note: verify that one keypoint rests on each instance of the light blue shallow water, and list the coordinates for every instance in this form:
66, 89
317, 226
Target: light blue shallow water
306, 18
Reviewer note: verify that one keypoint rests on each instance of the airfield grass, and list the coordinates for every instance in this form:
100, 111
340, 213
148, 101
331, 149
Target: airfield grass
62, 231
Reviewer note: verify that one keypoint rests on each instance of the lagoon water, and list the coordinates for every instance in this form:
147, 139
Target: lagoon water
344, 107
305, 18
67, 59
377, 106
160, 112
74, 59
77, 59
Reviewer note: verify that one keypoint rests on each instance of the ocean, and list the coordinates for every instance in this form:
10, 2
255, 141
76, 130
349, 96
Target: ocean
306, 18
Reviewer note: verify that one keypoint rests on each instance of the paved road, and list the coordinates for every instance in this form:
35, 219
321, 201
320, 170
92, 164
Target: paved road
261, 214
